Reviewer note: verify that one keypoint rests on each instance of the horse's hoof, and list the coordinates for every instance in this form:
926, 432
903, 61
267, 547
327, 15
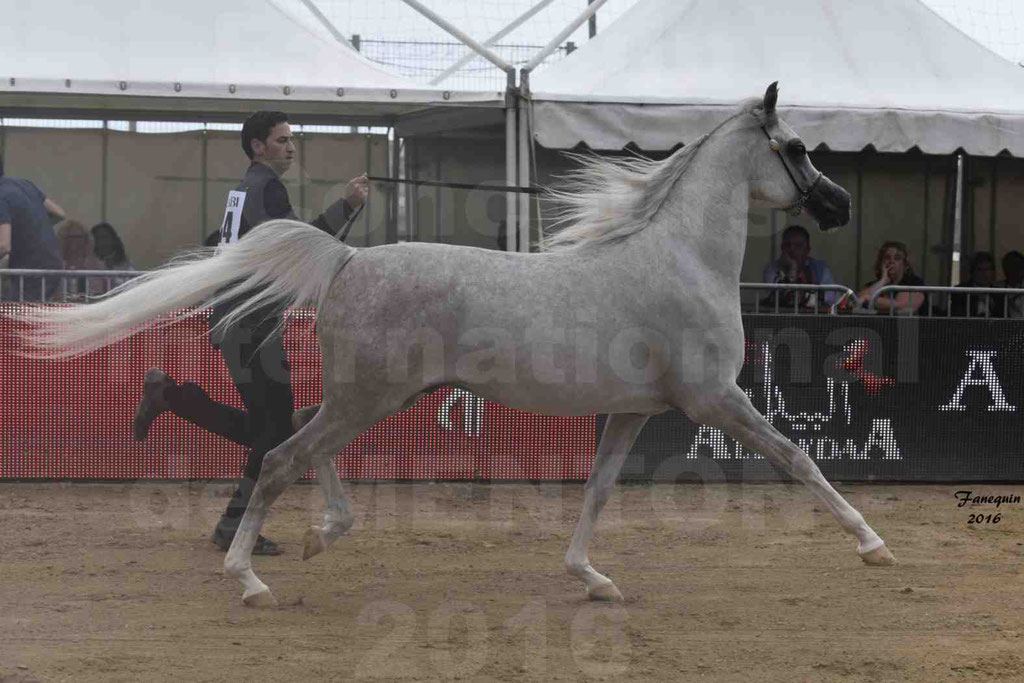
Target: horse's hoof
879, 557
263, 598
606, 592
313, 543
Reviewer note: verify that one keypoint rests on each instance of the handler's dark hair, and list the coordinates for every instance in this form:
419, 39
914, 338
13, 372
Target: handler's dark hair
258, 127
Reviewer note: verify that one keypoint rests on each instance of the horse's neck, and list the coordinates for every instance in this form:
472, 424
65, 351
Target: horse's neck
706, 211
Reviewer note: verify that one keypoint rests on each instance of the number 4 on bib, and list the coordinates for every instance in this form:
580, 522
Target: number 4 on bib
232, 217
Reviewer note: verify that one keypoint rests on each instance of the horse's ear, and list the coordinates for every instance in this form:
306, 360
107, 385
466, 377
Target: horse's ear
771, 97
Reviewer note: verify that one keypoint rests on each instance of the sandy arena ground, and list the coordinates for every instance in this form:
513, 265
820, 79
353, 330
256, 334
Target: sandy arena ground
116, 582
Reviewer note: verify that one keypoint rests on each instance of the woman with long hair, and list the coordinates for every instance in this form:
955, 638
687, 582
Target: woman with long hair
893, 267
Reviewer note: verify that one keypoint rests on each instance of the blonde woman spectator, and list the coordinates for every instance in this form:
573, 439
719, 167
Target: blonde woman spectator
892, 267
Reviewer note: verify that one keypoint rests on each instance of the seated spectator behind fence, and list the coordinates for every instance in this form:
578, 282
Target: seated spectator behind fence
1013, 271
983, 274
892, 267
76, 249
108, 248
795, 266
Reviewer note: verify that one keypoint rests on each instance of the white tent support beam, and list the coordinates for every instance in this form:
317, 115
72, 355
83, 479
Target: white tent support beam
524, 174
326, 23
565, 33
512, 26
510, 177
462, 36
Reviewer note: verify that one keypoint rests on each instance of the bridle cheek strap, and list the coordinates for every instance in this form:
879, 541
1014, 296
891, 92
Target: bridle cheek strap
798, 206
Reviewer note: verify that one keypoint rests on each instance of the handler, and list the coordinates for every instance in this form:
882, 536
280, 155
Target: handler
253, 348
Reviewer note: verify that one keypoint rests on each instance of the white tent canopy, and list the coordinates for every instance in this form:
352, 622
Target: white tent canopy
196, 56
887, 73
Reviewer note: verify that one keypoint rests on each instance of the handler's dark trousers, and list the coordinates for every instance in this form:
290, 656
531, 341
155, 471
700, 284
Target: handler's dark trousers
263, 379
256, 360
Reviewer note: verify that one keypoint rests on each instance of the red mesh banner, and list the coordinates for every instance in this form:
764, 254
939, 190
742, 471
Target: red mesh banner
72, 419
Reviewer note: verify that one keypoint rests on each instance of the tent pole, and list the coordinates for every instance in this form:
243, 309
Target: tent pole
510, 173
566, 32
466, 40
394, 171
524, 174
954, 275
516, 23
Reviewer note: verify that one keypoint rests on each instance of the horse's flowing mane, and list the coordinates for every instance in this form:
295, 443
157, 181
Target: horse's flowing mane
607, 199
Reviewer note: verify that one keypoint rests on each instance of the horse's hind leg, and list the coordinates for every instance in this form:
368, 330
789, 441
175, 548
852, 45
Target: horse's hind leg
733, 412
620, 432
338, 517
281, 466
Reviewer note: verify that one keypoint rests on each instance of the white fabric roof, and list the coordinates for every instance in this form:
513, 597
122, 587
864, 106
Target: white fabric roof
253, 50
890, 73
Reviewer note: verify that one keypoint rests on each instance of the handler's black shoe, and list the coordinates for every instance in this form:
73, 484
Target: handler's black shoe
152, 402
264, 546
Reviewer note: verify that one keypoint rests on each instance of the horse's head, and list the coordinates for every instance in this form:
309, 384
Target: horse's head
786, 178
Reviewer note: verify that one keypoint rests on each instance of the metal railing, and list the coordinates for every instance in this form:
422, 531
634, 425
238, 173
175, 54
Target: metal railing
768, 298
795, 299
25, 284
954, 302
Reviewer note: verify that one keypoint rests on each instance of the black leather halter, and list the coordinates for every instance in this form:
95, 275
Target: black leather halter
797, 206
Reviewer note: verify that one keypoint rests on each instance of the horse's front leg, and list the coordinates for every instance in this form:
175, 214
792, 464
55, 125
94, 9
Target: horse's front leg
731, 410
620, 432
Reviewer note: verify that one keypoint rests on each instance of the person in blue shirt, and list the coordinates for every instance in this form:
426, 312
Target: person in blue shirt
795, 266
27, 238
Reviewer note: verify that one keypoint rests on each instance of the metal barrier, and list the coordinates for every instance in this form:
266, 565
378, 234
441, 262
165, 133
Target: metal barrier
59, 285
998, 302
804, 299
954, 302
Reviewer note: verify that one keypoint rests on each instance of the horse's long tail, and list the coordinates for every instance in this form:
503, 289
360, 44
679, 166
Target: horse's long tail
281, 263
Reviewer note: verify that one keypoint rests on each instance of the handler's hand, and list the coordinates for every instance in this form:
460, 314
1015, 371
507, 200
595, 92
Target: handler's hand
356, 191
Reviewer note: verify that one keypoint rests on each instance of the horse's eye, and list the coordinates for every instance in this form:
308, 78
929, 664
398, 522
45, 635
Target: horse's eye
798, 148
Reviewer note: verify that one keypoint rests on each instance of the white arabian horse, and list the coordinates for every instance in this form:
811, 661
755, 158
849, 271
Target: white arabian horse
632, 310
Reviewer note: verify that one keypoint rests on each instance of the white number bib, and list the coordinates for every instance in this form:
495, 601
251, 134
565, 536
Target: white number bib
232, 217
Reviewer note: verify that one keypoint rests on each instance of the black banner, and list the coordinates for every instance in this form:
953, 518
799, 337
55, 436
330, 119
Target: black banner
868, 398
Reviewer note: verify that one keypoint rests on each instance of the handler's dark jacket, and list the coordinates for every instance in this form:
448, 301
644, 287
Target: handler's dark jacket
260, 197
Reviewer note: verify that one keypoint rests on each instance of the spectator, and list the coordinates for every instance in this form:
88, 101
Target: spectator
795, 266
983, 274
893, 267
27, 238
108, 248
76, 249
1013, 271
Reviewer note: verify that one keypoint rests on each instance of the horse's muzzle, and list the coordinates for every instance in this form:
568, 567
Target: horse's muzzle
829, 204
